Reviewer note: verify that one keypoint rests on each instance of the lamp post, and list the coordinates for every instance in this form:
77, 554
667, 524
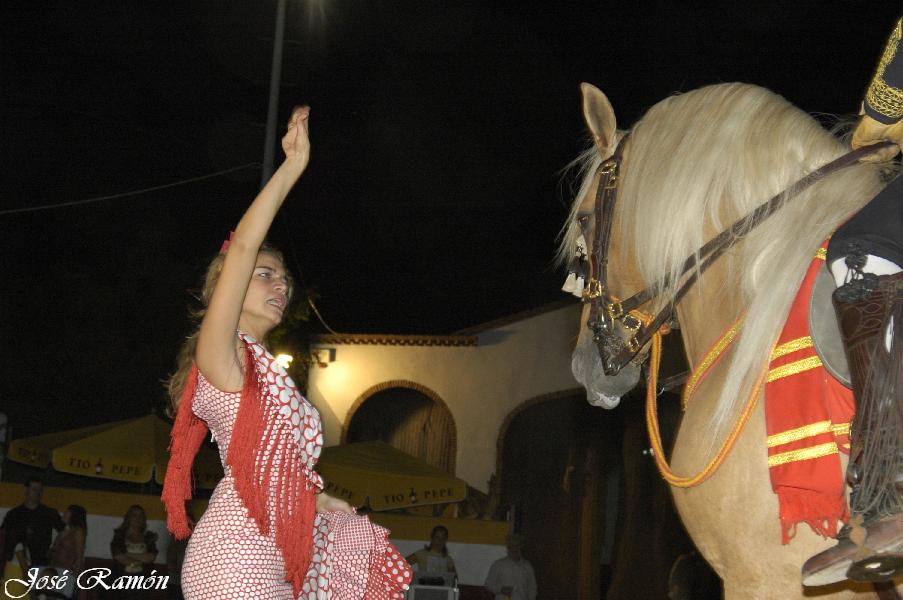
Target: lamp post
269, 148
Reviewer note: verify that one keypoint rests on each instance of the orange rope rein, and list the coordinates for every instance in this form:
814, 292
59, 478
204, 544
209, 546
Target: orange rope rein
701, 371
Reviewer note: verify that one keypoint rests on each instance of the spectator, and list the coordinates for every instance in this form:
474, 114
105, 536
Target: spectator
134, 548
512, 578
68, 550
434, 557
30, 525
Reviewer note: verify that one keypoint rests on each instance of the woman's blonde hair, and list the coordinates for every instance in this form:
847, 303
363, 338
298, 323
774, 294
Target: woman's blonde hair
175, 384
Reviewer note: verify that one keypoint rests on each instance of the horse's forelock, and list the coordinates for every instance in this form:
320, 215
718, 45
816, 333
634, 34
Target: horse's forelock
583, 168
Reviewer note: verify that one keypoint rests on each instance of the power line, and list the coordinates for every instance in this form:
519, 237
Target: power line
297, 265
320, 317
12, 211
255, 165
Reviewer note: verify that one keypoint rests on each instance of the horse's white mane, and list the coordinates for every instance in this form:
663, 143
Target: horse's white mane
700, 160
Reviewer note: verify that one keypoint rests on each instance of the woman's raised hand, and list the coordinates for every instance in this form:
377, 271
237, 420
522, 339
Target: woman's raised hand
295, 142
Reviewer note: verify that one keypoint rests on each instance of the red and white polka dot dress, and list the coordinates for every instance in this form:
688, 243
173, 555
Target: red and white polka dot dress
227, 557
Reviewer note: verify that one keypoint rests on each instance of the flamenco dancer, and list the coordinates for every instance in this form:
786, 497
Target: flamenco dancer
866, 258
269, 531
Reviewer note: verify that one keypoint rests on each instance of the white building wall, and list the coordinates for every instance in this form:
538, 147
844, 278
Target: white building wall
481, 385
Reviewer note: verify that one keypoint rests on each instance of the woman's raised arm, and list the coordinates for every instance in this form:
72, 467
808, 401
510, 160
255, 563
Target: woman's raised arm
218, 356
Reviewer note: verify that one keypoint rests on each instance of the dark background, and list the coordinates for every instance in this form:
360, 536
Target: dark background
435, 192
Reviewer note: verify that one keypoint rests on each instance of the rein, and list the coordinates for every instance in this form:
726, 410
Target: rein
606, 311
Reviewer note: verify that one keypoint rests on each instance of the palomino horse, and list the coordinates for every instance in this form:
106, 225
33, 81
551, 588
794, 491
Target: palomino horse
694, 164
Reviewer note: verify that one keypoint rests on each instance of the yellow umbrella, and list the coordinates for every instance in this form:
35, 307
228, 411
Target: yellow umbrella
385, 477
130, 450
35, 451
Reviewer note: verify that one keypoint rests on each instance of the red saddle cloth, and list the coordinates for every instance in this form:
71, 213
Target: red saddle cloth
807, 417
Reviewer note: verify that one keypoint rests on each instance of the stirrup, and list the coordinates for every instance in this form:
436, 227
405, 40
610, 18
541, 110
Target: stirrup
845, 560
880, 567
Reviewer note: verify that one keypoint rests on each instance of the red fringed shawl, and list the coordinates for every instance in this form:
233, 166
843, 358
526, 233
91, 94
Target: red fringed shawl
257, 460
807, 416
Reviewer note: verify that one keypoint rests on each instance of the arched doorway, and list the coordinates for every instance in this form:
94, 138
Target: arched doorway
559, 467
409, 417
598, 519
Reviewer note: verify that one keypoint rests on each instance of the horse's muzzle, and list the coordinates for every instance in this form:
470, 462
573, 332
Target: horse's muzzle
601, 389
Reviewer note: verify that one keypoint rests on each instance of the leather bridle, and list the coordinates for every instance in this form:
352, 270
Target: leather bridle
620, 330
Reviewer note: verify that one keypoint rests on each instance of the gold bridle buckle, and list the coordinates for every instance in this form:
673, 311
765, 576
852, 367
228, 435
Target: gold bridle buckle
609, 170
593, 290
615, 310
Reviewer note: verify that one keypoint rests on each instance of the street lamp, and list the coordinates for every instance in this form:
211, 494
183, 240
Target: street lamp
269, 148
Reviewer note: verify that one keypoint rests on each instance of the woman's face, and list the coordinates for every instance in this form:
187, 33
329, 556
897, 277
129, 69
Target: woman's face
137, 519
67, 516
267, 296
437, 541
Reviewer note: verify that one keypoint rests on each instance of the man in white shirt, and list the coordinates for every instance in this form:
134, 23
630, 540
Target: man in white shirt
512, 578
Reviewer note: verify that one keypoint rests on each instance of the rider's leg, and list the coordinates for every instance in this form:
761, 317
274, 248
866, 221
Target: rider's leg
871, 547
875, 265
865, 257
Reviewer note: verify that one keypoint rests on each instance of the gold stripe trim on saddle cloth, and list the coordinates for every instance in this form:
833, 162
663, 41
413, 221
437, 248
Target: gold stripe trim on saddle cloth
799, 366
794, 435
807, 431
810, 453
791, 346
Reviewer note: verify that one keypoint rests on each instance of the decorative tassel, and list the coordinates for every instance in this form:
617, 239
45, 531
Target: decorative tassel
187, 435
569, 284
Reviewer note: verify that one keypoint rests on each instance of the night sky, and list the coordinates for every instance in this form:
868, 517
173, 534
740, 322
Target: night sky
434, 195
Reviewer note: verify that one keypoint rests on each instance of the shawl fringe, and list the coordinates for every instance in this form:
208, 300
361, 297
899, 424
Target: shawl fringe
266, 466
188, 434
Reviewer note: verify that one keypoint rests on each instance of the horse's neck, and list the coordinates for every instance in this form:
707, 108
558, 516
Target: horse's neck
708, 311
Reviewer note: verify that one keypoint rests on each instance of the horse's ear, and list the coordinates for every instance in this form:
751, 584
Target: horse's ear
599, 117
